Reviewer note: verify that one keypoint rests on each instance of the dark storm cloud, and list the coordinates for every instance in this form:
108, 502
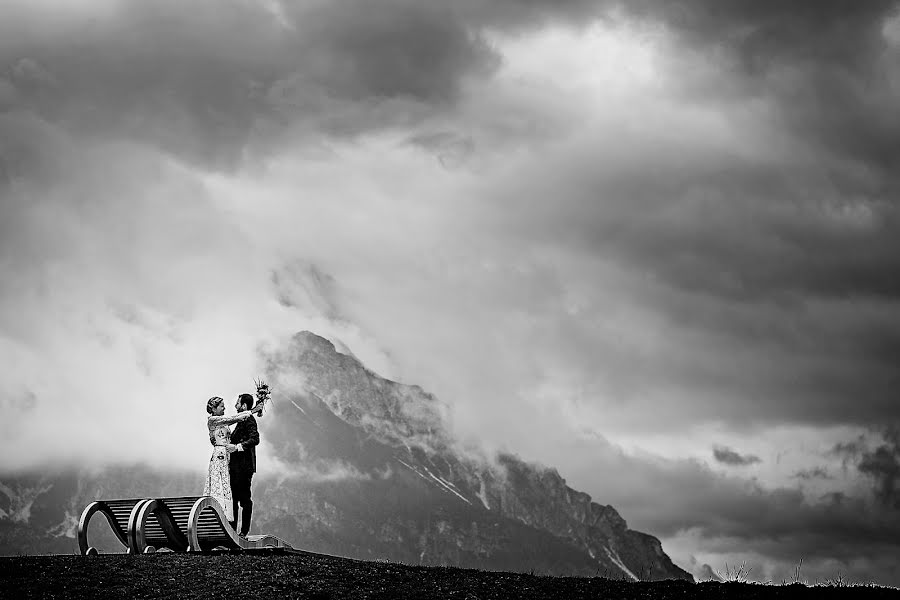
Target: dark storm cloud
883, 465
786, 299
733, 516
767, 230
754, 221
214, 81
820, 39
848, 450
760, 31
826, 63
393, 48
219, 80
757, 228
528, 14
728, 456
814, 473
746, 228
815, 29
779, 523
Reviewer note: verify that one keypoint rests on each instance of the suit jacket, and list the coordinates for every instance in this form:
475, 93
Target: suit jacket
247, 434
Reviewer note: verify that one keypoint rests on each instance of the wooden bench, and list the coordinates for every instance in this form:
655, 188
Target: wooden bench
117, 512
184, 523
161, 523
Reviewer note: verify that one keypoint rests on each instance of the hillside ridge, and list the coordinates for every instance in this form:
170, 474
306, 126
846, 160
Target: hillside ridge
322, 577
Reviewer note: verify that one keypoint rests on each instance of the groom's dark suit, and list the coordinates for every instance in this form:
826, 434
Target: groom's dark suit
241, 468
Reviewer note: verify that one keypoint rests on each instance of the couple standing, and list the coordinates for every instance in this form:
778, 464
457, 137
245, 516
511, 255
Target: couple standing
233, 461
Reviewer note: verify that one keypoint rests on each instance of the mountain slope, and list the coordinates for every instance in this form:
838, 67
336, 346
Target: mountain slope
394, 437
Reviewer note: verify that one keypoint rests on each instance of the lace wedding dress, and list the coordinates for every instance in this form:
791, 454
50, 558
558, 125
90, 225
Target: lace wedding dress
218, 482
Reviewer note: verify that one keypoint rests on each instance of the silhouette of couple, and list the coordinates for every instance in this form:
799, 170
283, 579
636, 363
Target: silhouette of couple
233, 460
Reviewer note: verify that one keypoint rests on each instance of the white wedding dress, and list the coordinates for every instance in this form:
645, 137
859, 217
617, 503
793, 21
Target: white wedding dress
218, 482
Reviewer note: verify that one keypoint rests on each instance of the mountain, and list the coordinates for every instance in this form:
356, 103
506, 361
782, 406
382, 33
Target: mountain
366, 468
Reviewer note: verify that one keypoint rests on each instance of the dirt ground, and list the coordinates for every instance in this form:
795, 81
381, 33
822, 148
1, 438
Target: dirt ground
321, 577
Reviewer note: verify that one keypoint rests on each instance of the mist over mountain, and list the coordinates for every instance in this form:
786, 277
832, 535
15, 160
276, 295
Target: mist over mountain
365, 467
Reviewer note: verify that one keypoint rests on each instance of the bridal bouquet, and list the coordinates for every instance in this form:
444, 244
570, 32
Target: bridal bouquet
262, 394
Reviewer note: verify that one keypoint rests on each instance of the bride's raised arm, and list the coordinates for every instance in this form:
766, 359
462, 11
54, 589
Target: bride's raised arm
223, 420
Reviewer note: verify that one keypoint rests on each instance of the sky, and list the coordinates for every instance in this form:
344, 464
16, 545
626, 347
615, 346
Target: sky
655, 244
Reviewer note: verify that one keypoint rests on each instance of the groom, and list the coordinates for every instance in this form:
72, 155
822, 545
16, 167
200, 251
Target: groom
242, 465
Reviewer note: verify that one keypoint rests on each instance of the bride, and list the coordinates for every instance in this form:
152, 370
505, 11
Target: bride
218, 483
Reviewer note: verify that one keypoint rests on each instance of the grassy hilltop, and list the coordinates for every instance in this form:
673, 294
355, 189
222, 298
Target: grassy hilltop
321, 577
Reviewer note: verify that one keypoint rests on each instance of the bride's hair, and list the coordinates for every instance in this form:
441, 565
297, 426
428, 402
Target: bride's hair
212, 403
246, 401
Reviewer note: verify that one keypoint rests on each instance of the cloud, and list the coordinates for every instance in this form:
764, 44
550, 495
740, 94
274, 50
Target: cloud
705, 573
313, 471
727, 456
814, 473
223, 83
876, 456
797, 53
131, 291
717, 518
883, 466
697, 248
848, 450
742, 239
694, 249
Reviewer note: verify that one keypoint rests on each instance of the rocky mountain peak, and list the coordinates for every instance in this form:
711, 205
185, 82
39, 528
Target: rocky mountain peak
392, 411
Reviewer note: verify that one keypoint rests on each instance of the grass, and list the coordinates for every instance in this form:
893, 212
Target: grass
322, 577
741, 574
735, 574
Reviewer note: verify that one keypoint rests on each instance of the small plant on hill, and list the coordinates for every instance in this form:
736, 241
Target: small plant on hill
735, 574
796, 576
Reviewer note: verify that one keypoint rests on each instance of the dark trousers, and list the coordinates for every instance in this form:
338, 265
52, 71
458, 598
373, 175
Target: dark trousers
240, 496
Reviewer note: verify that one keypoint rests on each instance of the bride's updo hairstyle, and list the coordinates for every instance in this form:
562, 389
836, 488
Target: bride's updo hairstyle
212, 403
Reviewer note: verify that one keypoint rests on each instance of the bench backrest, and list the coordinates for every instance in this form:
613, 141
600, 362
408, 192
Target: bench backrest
166, 522
184, 523
117, 513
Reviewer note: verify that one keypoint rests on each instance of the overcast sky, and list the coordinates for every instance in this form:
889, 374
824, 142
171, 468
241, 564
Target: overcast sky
655, 244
